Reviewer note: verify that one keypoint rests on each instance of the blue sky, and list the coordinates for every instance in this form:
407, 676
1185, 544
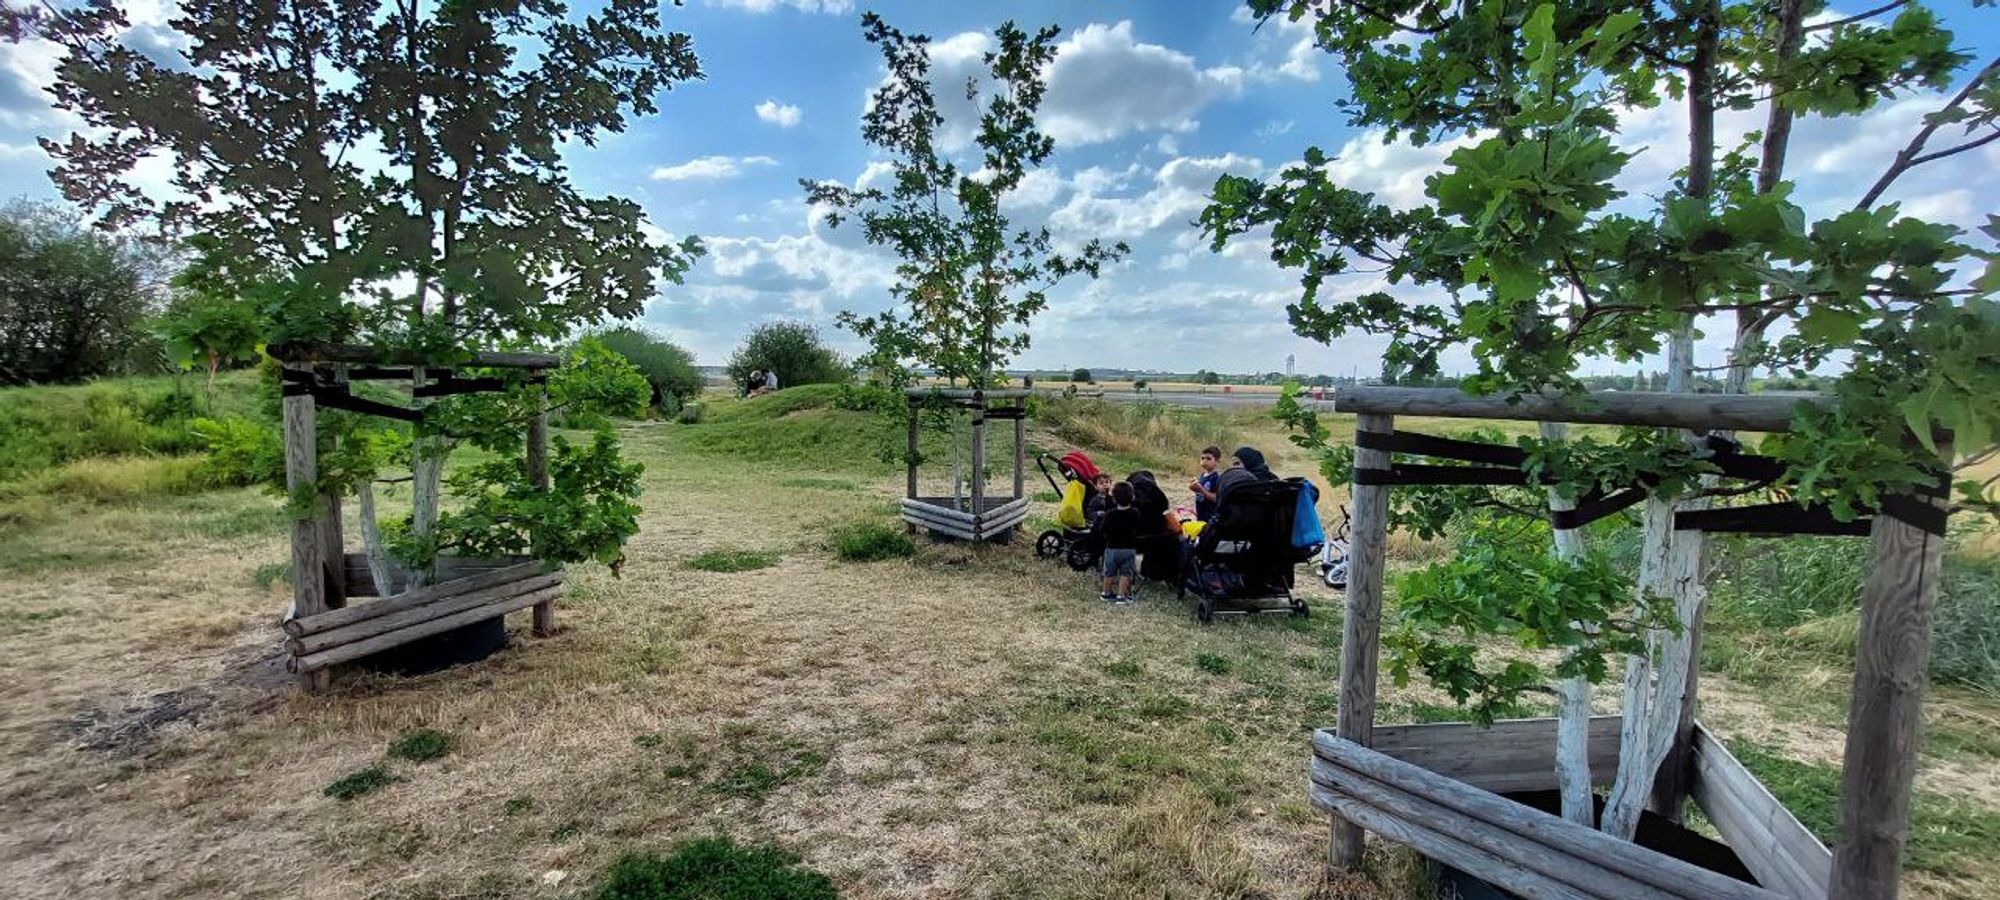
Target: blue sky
1149, 102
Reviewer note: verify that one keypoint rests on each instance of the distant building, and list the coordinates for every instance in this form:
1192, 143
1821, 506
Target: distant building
1290, 362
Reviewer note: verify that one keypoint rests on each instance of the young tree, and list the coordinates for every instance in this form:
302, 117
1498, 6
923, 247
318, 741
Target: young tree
389, 174
1081, 376
970, 280
668, 368
790, 349
1546, 262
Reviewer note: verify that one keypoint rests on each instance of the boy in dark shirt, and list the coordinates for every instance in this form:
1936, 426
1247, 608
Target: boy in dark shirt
1119, 527
1204, 484
1100, 498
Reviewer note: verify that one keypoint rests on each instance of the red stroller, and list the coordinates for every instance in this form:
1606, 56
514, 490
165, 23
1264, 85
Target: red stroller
1075, 545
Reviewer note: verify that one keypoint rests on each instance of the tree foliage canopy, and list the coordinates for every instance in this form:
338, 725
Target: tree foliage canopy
73, 300
791, 349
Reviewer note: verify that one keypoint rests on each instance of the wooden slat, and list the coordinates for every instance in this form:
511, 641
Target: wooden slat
1772, 843
301, 436
1585, 844
410, 615
921, 517
362, 583
1361, 626
1446, 848
538, 475
1698, 412
938, 512
349, 652
1490, 839
312, 352
445, 589
1513, 755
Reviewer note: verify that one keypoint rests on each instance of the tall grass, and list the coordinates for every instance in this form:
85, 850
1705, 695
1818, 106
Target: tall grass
47, 427
1145, 433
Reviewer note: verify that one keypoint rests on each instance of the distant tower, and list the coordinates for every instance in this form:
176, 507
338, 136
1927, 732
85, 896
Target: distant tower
1290, 361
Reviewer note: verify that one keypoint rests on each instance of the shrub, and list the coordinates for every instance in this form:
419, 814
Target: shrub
668, 368
421, 745
1081, 376
714, 869
242, 451
360, 783
791, 349
74, 299
872, 541
733, 560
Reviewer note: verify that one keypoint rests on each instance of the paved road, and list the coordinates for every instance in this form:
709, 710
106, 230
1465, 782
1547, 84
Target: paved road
1211, 400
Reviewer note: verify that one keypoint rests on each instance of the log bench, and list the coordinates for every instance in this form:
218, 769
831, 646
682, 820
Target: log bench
478, 592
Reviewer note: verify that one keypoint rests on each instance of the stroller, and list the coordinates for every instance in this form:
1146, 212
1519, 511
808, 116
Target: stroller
1333, 556
1245, 556
1075, 543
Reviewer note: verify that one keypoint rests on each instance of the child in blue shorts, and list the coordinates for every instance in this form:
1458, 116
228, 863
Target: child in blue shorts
1119, 528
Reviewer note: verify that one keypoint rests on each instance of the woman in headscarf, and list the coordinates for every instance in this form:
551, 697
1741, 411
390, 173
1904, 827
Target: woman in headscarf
1246, 466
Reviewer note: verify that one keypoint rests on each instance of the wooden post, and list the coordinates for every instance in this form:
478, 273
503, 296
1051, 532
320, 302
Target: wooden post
333, 541
1361, 627
910, 459
1885, 714
978, 469
1021, 448
308, 548
538, 475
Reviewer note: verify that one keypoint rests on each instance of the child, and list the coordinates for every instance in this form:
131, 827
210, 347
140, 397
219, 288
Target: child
1204, 484
1119, 528
1100, 501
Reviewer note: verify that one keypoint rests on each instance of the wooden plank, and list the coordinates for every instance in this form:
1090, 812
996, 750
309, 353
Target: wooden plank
1695, 412
301, 436
1584, 843
309, 644
1512, 755
348, 652
978, 463
1446, 848
448, 568
538, 475
910, 457
1529, 855
306, 352
1361, 626
1772, 843
1885, 713
1021, 449
953, 528
940, 512
410, 599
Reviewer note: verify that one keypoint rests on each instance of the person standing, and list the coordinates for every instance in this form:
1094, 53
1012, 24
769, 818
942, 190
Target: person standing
1119, 528
1204, 484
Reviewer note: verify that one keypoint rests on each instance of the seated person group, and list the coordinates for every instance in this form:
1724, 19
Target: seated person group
1132, 516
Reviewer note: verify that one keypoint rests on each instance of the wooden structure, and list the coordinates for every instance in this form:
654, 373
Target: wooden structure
974, 515
1434, 786
324, 630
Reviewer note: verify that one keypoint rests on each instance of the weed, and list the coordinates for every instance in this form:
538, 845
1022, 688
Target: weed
360, 782
421, 745
519, 806
755, 780
1212, 663
714, 868
566, 831
871, 542
270, 575
733, 560
1126, 668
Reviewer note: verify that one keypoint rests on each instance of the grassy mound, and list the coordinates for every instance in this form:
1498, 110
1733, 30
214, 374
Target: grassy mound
714, 869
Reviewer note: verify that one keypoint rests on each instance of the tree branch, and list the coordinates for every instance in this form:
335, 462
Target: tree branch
1858, 17
1907, 158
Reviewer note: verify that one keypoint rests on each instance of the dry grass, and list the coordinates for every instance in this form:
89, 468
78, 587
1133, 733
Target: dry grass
968, 722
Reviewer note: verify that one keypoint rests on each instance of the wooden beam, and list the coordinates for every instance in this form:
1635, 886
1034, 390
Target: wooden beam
349, 652
1512, 755
1885, 712
309, 352
361, 582
1021, 449
1443, 846
1765, 835
939, 511
408, 615
978, 462
1695, 412
333, 540
1361, 626
363, 612
301, 435
538, 475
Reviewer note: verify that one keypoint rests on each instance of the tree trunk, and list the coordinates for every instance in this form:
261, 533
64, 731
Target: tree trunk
427, 457
385, 572
1573, 694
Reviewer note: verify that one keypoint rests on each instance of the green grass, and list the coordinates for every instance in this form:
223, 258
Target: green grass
360, 783
871, 542
714, 868
421, 745
755, 779
733, 560
1213, 663
1948, 836
45, 427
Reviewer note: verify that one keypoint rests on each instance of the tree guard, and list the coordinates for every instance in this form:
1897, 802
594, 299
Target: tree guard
977, 517
1402, 796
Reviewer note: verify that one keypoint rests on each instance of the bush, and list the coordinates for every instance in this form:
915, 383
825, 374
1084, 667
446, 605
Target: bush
1081, 376
791, 349
48, 427
74, 299
714, 869
872, 541
242, 451
668, 368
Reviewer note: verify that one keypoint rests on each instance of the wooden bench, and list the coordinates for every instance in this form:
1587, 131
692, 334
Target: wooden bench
342, 635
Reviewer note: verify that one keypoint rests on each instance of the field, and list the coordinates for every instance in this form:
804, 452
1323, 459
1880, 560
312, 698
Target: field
963, 722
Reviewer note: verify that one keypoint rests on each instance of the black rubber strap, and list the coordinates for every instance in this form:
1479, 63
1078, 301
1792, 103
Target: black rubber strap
1916, 513
1770, 518
1440, 447
1408, 474
1594, 507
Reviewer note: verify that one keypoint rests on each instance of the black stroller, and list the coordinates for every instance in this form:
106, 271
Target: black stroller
1244, 557
1081, 548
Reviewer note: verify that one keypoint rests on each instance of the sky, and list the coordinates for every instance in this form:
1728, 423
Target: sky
1148, 103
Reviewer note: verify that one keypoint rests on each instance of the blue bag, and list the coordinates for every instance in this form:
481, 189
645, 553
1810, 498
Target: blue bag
1306, 529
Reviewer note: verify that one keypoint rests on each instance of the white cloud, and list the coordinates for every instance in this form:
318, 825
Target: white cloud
710, 167
809, 6
1180, 190
783, 115
1105, 83
1394, 173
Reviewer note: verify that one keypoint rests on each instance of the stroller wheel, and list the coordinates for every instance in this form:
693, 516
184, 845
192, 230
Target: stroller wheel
1204, 611
1334, 576
1049, 544
1300, 610
1079, 557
